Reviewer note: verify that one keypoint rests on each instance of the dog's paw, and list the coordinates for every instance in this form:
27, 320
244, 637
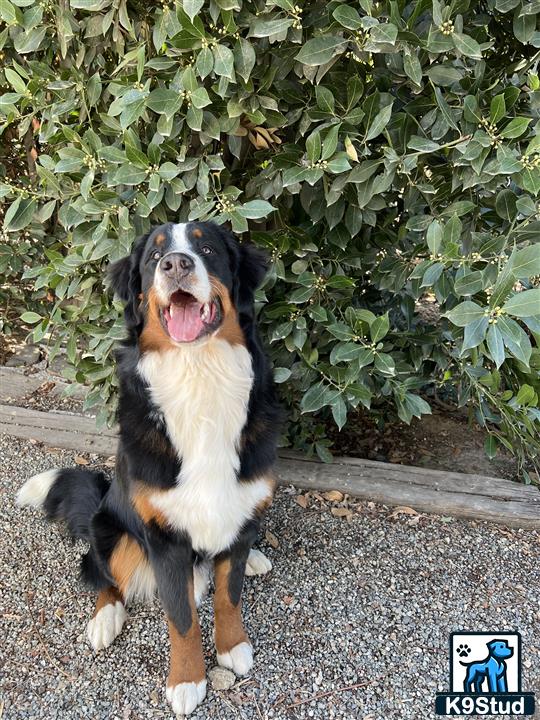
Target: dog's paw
185, 697
257, 563
239, 659
106, 625
463, 650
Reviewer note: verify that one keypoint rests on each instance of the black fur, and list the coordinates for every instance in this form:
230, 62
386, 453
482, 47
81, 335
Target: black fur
171, 557
74, 497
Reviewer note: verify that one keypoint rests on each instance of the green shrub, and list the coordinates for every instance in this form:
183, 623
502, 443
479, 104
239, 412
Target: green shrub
385, 152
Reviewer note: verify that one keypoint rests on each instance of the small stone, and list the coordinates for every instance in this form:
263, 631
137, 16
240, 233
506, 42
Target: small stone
221, 678
27, 355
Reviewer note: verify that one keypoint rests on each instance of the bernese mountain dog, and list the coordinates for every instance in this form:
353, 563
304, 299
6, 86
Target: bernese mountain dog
198, 426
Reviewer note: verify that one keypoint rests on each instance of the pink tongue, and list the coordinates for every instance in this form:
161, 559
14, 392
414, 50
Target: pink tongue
185, 325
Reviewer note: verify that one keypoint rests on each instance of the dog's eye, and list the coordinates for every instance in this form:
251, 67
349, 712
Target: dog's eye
206, 250
156, 255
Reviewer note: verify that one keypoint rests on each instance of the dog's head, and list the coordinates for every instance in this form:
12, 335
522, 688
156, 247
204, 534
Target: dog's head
187, 282
499, 649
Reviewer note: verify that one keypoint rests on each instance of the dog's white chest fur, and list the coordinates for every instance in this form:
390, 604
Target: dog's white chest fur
203, 393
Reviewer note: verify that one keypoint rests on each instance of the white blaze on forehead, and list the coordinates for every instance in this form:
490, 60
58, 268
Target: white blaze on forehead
198, 283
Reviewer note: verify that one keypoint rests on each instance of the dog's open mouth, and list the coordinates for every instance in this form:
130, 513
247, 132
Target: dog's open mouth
186, 319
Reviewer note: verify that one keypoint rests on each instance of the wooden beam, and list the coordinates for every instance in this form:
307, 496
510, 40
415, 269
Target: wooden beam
431, 491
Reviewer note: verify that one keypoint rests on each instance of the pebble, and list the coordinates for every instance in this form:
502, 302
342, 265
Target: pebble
221, 678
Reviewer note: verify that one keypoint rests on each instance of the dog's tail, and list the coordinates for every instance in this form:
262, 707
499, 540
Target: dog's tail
72, 495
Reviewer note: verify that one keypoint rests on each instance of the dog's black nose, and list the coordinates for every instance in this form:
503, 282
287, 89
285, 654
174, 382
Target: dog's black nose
176, 265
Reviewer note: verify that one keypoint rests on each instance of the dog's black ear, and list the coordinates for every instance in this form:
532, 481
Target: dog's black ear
125, 280
252, 267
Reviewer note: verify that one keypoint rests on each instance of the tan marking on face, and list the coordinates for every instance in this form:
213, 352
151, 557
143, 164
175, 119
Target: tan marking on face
159, 239
145, 508
187, 659
125, 559
109, 596
229, 329
229, 629
154, 336
198, 233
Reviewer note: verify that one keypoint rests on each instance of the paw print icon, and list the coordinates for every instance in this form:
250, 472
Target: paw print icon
463, 650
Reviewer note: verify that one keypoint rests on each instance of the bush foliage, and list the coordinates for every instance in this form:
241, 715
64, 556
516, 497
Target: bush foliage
386, 153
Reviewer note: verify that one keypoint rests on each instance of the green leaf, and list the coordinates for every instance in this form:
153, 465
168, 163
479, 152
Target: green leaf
467, 45
200, 98
339, 412
8, 12
515, 339
129, 175
320, 50
164, 102
192, 7
379, 328
495, 345
516, 127
497, 108
20, 214
527, 262
204, 64
434, 237
262, 27
505, 205
469, 284
255, 209
384, 33
465, 313
524, 304
413, 67
490, 446
474, 334
385, 364
281, 374
244, 58
31, 318
223, 61
380, 121
317, 397
348, 17
325, 99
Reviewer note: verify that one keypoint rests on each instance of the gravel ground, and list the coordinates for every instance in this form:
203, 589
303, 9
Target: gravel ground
366, 602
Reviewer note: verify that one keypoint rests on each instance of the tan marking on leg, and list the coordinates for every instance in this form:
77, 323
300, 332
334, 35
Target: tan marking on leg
187, 660
228, 617
230, 329
109, 596
145, 508
125, 559
154, 336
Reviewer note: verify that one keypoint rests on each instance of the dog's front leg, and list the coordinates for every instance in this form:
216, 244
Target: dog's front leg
233, 648
171, 558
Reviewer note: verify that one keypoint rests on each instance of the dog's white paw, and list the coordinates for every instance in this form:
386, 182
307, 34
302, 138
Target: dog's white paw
257, 563
106, 625
185, 697
239, 659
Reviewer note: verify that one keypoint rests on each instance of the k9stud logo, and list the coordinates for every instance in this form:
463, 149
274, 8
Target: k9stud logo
485, 676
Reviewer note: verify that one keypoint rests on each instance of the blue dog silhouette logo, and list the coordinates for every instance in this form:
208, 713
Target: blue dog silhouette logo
485, 676
491, 670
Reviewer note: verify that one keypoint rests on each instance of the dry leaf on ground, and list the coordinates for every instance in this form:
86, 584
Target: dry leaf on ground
80, 460
302, 500
271, 539
333, 496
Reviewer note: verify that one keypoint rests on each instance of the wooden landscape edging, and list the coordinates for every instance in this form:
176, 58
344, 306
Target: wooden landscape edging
432, 491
